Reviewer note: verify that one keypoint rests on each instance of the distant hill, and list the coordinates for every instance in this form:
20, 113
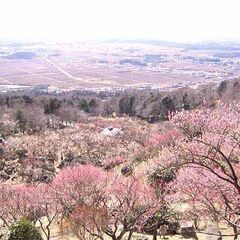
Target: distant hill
21, 55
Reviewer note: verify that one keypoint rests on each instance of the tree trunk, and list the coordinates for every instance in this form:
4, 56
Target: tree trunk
120, 236
114, 237
235, 232
48, 233
155, 234
130, 235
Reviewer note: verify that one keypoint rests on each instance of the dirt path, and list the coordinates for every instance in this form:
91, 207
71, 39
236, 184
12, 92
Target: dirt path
39, 75
6, 81
67, 74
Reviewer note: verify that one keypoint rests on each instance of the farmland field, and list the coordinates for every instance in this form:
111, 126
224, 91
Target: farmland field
113, 65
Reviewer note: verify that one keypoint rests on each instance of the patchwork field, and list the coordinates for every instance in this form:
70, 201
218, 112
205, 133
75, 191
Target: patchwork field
113, 65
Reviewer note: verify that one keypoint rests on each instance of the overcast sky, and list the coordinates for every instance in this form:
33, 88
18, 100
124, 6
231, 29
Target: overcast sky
177, 20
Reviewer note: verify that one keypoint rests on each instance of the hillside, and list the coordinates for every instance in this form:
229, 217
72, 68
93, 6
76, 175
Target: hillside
114, 177
81, 143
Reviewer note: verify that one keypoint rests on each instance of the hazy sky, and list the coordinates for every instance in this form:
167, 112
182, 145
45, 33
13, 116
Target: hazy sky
182, 20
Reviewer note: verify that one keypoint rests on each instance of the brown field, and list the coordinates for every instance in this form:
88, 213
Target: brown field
93, 66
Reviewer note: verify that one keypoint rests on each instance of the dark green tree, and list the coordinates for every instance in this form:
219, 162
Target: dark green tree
24, 230
52, 106
222, 88
126, 105
21, 120
83, 105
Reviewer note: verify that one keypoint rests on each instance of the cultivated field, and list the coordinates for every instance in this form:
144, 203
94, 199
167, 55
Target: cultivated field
112, 65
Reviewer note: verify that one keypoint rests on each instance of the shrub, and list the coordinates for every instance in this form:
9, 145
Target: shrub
24, 230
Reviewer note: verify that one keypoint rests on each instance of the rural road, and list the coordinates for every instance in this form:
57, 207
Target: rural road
6, 81
67, 74
39, 75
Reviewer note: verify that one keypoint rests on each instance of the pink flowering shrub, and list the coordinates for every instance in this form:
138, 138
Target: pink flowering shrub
167, 137
113, 162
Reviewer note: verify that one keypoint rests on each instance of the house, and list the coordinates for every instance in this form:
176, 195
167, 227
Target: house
111, 131
2, 141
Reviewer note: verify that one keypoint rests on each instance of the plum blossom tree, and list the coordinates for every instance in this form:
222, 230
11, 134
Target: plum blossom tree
78, 185
45, 208
208, 195
131, 202
99, 203
212, 141
88, 222
35, 203
161, 172
80, 191
164, 139
16, 203
208, 154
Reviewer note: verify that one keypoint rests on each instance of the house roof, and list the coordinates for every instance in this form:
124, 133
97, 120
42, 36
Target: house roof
111, 131
3, 141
